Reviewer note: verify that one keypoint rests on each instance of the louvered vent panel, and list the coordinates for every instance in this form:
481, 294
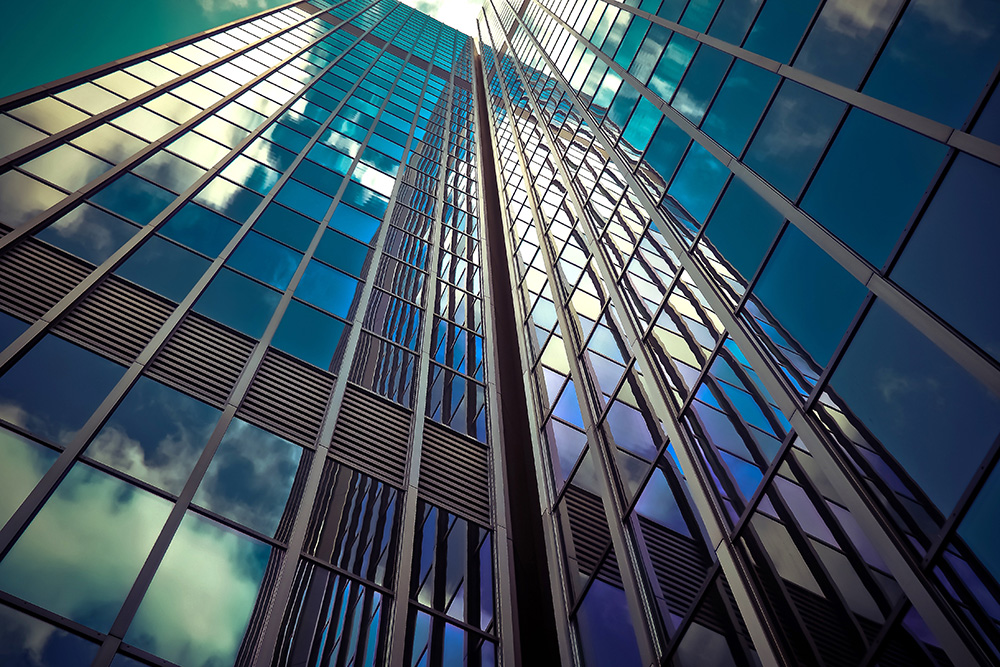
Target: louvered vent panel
680, 568
589, 528
454, 473
35, 276
118, 319
202, 358
4, 230
288, 397
372, 435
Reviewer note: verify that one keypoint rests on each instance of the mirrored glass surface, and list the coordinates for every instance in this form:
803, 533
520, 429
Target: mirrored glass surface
309, 334
89, 233
164, 267
24, 463
239, 302
27, 641
67, 167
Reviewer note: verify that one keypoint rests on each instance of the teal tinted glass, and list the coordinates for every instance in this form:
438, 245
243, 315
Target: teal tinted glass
164, 267
200, 229
286, 226
779, 27
265, 260
672, 66
743, 227
24, 463
104, 528
229, 199
886, 169
342, 252
309, 334
327, 288
134, 198
738, 105
698, 182
733, 20
304, 199
26, 641
239, 302
89, 233
365, 199
53, 389
353, 222
700, 83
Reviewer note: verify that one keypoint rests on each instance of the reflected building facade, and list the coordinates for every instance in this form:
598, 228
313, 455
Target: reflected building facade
633, 333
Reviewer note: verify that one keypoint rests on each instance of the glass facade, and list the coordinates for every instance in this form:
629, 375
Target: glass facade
644, 333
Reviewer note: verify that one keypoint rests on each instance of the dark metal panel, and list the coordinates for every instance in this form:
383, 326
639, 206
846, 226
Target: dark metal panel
454, 473
380, 452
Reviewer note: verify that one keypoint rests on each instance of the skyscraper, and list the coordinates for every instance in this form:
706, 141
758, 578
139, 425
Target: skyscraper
618, 333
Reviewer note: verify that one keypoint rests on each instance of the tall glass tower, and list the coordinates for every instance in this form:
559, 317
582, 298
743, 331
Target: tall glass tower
632, 334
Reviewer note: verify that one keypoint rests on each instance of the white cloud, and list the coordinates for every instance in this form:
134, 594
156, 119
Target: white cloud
459, 14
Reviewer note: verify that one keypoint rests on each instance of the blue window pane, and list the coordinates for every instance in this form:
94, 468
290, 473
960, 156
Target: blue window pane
886, 169
957, 238
250, 477
265, 260
701, 82
738, 106
779, 27
328, 288
164, 268
698, 182
979, 526
733, 20
640, 127
743, 227
792, 136
927, 411
652, 47
368, 201
156, 434
238, 302
286, 226
844, 39
939, 58
666, 149
354, 223
342, 252
317, 177
200, 229
698, 14
604, 627
55, 387
811, 295
286, 137
134, 198
304, 199
309, 334
10, 329
229, 199
26, 641
672, 66
88, 233
330, 158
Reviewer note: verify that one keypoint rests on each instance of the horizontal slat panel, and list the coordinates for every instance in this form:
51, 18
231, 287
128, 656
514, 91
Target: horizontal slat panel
372, 435
454, 473
34, 276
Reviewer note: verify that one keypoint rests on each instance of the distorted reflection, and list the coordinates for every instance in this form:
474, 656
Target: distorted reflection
54, 388
88, 233
67, 167
250, 477
155, 435
104, 528
26, 641
24, 463
200, 600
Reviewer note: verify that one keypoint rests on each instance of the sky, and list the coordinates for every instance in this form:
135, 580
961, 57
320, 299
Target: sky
41, 41
459, 14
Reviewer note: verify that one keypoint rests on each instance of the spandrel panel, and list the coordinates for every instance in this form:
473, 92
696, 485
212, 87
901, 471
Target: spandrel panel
250, 477
88, 232
26, 641
156, 434
104, 528
914, 398
54, 389
201, 598
25, 461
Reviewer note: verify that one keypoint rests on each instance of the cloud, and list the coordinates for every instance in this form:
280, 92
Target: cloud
459, 14
212, 6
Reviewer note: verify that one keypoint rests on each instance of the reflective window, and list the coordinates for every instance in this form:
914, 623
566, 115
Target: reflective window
239, 302
10, 329
811, 295
353, 222
55, 387
978, 528
110, 143
698, 182
928, 412
286, 226
164, 267
701, 82
604, 627
792, 136
738, 105
170, 171
200, 229
266, 260
779, 27
104, 529
365, 199
304, 199
934, 40
22, 198
250, 477
88, 233
342, 252
134, 198
309, 334
200, 600
67, 167
886, 169
950, 261
742, 227
733, 20
229, 199
327, 288
24, 463
155, 434
26, 641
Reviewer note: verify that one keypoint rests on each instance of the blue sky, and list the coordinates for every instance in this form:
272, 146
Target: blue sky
44, 41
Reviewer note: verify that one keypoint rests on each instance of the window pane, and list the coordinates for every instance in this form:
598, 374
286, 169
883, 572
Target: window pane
88, 233
309, 334
133, 198
266, 260
286, 226
164, 267
26, 641
200, 229
327, 288
238, 302
342, 252
24, 463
